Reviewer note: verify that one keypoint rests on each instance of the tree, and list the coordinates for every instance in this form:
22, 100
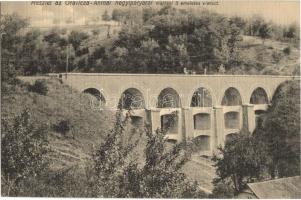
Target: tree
291, 32
118, 174
264, 31
242, 160
53, 37
254, 25
281, 130
76, 38
239, 22
23, 150
105, 16
209, 34
12, 53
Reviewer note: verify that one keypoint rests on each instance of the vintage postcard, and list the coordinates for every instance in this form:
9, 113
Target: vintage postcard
150, 99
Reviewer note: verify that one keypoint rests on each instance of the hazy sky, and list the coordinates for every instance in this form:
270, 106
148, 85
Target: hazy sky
281, 12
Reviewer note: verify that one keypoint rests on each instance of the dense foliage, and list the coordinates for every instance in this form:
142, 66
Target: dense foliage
23, 151
163, 40
113, 169
11, 46
241, 161
281, 130
119, 174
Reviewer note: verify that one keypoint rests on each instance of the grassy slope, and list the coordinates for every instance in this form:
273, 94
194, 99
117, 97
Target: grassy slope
61, 103
253, 49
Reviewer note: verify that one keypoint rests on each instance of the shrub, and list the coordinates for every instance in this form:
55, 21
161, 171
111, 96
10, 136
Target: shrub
63, 127
66, 182
287, 50
40, 87
23, 150
117, 174
277, 56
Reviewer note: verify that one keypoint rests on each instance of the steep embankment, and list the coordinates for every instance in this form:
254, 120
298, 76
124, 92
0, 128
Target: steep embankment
87, 125
270, 56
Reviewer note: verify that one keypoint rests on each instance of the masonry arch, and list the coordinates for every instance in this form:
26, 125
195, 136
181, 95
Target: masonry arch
131, 99
169, 98
98, 97
231, 97
259, 96
201, 98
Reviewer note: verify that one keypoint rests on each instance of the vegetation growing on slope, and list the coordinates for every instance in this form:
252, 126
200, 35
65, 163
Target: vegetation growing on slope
23, 151
118, 172
84, 160
155, 41
61, 103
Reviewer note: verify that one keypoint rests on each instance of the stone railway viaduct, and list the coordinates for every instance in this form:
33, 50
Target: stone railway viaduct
209, 108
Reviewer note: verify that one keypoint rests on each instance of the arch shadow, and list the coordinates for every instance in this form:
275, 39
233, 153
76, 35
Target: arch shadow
168, 98
259, 96
231, 97
97, 97
131, 99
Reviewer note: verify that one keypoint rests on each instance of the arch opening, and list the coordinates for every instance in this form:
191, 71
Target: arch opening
98, 98
131, 99
232, 120
201, 143
259, 96
201, 98
202, 121
168, 98
169, 122
231, 97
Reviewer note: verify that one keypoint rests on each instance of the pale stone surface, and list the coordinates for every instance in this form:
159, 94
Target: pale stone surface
112, 87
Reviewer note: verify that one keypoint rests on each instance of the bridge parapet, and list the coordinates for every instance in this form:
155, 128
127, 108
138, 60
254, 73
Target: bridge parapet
150, 85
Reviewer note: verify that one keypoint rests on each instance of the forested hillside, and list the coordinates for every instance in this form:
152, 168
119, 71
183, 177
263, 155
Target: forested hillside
58, 142
163, 40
